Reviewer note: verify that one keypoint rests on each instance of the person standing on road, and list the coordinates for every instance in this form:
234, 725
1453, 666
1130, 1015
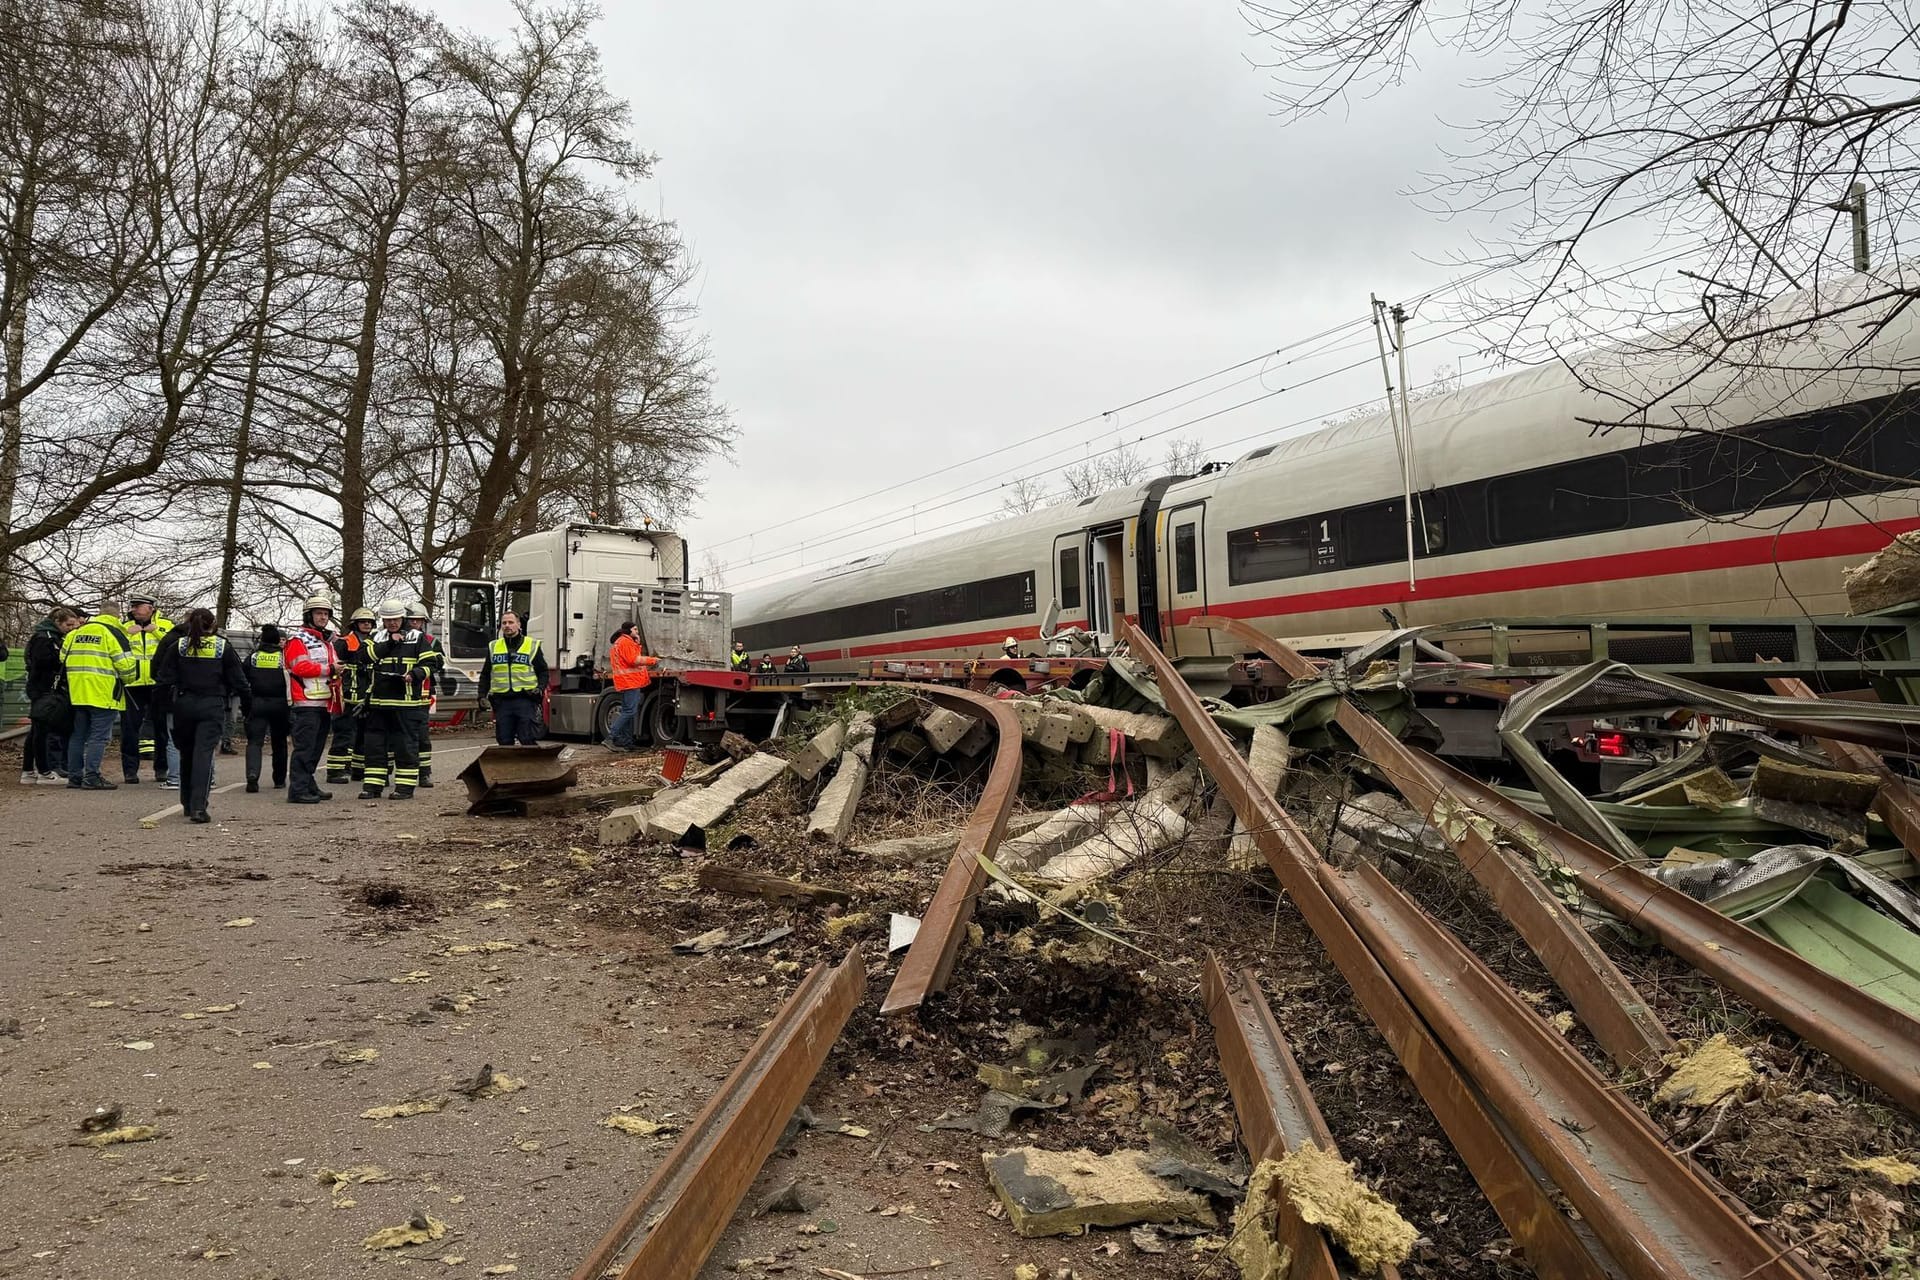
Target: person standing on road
98, 660
143, 731
399, 686
632, 672
313, 695
267, 677
194, 673
37, 765
511, 680
346, 760
432, 665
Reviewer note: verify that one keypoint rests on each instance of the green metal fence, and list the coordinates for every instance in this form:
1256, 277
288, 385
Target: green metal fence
13, 690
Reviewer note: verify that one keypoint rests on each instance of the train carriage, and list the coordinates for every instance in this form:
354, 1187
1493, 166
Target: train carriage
1766, 469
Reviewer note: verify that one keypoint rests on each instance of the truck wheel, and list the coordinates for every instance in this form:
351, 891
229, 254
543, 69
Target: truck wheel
664, 721
605, 712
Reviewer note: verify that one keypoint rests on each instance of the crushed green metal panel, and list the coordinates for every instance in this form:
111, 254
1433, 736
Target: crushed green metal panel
1851, 941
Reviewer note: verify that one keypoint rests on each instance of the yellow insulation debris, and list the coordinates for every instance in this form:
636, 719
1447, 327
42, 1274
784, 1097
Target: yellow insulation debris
1255, 1247
1713, 1071
1323, 1188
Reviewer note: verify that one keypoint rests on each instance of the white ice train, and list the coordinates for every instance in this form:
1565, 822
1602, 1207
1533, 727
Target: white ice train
1772, 469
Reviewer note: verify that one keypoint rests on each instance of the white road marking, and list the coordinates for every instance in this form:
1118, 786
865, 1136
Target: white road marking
153, 820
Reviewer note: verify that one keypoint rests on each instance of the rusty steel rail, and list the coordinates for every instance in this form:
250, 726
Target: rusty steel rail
1276, 1109
686, 1205
1873, 1039
1657, 1217
929, 960
1622, 1023
1896, 804
1505, 1173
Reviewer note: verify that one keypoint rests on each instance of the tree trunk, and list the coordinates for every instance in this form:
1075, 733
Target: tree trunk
249, 400
14, 358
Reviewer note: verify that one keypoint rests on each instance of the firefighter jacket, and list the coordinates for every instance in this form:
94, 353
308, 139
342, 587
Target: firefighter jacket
313, 671
267, 676
209, 668
631, 664
355, 653
404, 663
98, 660
513, 667
145, 643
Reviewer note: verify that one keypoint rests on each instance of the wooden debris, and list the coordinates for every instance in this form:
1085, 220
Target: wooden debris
832, 816
754, 884
809, 760
698, 812
1803, 784
581, 801
1268, 759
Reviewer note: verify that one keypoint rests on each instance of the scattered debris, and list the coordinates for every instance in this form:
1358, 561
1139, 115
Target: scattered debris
124, 1133
244, 922
1062, 1193
419, 1229
833, 813
1901, 1173
791, 1198
1886, 580
400, 1110
754, 884
351, 1057
639, 1126
839, 926
687, 822
1707, 1075
105, 1116
1324, 1190
701, 944
1254, 1245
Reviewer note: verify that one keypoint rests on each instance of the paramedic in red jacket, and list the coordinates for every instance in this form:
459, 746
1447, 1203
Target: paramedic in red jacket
313, 697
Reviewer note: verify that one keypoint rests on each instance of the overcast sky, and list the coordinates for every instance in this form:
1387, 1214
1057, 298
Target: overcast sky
929, 234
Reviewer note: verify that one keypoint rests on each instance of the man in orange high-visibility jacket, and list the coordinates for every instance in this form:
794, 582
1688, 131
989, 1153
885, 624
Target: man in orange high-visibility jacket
632, 673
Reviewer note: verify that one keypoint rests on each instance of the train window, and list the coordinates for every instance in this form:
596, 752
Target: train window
1070, 578
1585, 496
1377, 534
1186, 560
1283, 549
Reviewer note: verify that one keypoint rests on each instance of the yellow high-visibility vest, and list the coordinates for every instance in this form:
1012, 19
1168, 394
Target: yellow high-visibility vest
516, 664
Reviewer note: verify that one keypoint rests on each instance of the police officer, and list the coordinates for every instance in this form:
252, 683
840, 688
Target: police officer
313, 695
143, 730
346, 759
194, 673
511, 680
433, 664
797, 663
266, 676
398, 686
740, 659
97, 658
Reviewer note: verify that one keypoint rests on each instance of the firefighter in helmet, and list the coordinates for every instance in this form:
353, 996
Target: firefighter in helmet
346, 761
432, 664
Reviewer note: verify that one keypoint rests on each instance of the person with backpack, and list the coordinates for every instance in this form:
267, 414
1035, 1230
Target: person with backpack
98, 660
44, 675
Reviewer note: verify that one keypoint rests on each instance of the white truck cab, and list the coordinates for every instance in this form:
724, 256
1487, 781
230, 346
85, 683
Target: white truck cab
571, 586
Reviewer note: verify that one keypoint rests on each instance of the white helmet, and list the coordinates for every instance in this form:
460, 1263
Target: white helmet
316, 602
392, 609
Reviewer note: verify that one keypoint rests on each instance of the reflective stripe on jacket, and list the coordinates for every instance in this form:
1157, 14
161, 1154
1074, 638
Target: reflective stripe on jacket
511, 670
630, 664
312, 670
98, 661
145, 643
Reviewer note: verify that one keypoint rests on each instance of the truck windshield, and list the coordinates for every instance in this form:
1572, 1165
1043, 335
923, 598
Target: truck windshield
470, 619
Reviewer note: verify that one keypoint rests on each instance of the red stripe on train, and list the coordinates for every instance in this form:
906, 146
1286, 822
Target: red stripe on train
1737, 553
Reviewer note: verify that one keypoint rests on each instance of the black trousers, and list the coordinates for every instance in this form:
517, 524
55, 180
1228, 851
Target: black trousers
516, 719
309, 733
139, 719
198, 720
37, 755
345, 758
268, 721
419, 721
390, 751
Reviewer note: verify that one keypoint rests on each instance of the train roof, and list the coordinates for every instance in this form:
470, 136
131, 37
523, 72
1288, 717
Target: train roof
1709, 384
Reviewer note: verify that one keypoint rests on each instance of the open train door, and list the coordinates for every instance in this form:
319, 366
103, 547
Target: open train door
1183, 580
1070, 583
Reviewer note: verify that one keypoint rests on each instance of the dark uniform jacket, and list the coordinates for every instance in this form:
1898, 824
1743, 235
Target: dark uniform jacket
213, 672
267, 677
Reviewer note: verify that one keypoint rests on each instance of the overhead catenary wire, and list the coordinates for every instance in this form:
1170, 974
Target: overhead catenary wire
971, 490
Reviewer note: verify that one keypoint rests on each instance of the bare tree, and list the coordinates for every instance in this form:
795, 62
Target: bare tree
1023, 494
1738, 136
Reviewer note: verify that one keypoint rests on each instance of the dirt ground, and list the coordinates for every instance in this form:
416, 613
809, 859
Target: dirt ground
127, 977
